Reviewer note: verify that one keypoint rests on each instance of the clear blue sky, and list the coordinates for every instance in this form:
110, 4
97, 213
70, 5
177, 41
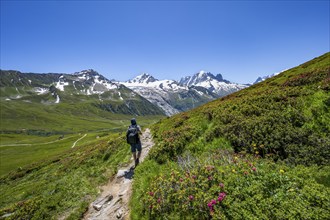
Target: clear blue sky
168, 39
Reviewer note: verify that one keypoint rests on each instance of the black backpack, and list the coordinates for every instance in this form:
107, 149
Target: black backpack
132, 135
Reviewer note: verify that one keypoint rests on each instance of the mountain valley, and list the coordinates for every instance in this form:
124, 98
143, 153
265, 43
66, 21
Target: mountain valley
260, 151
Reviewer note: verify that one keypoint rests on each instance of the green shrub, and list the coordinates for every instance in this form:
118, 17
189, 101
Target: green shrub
226, 186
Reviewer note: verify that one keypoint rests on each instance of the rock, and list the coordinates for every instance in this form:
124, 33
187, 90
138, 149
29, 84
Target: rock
121, 173
108, 198
122, 193
98, 204
97, 207
119, 214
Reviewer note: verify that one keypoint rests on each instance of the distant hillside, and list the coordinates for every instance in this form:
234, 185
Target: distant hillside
53, 100
285, 117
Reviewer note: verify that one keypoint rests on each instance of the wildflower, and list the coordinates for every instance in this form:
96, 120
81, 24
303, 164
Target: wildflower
159, 200
236, 158
150, 207
221, 196
213, 202
194, 177
281, 171
257, 152
254, 169
246, 172
233, 170
151, 193
222, 185
209, 178
181, 179
210, 206
191, 197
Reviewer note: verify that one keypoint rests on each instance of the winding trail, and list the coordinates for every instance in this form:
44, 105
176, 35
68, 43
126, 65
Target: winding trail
113, 202
74, 144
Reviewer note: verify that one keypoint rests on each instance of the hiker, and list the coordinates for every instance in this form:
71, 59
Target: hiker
132, 137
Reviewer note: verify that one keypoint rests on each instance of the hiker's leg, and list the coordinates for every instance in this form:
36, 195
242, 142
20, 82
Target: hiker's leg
133, 149
139, 148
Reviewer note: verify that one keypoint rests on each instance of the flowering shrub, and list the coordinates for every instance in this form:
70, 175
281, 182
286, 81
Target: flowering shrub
222, 186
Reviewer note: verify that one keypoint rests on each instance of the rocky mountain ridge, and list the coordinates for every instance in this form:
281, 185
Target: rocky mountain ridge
189, 92
87, 86
169, 96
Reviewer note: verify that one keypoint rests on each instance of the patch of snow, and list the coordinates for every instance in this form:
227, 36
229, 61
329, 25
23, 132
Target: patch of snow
74, 85
83, 77
41, 91
120, 96
60, 85
201, 73
7, 99
57, 99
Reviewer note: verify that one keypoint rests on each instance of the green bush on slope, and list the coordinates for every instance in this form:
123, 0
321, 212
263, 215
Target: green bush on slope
227, 186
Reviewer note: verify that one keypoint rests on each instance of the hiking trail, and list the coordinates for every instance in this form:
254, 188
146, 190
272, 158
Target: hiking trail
113, 202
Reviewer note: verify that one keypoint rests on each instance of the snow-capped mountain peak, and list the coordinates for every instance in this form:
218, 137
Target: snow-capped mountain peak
213, 83
263, 78
144, 78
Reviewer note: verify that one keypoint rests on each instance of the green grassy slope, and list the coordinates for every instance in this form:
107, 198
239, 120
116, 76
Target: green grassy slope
62, 185
30, 122
261, 152
43, 140
286, 117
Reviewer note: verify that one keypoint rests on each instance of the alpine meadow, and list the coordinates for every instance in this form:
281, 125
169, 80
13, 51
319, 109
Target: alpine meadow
261, 152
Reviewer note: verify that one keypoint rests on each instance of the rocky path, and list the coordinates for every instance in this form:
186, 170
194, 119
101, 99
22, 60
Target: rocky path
115, 196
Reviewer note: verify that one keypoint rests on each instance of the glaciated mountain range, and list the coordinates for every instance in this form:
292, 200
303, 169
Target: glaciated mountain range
139, 96
87, 88
213, 83
169, 95
190, 92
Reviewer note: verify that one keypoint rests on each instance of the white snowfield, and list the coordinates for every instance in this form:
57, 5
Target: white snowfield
99, 86
159, 91
147, 81
210, 82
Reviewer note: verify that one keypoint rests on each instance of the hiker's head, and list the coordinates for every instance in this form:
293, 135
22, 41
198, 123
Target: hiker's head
133, 121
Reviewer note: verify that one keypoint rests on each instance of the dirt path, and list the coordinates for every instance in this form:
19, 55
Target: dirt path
50, 142
115, 196
74, 144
